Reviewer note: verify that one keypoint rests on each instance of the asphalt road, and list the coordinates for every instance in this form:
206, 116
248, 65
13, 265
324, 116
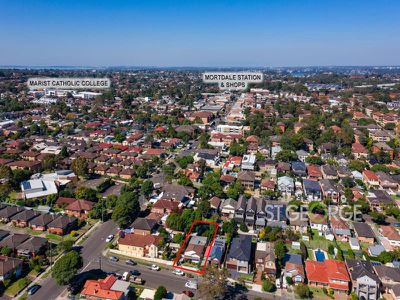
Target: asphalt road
91, 250
153, 279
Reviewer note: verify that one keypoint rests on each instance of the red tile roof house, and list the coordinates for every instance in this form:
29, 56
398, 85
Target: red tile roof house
108, 288
314, 172
391, 234
79, 208
163, 206
359, 151
328, 274
137, 245
370, 178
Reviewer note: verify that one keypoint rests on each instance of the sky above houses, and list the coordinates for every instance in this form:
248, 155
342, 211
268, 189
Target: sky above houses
199, 33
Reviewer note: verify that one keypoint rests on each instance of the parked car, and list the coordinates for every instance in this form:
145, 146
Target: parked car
131, 262
109, 238
188, 293
135, 272
191, 285
126, 276
136, 280
114, 258
178, 272
155, 268
33, 289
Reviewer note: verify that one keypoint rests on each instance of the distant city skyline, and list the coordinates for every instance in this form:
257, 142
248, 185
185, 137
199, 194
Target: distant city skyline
200, 33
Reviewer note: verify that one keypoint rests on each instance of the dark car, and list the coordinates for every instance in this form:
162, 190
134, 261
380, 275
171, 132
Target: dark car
135, 272
188, 293
131, 262
33, 289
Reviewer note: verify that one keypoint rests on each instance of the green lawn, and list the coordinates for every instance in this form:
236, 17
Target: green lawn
17, 286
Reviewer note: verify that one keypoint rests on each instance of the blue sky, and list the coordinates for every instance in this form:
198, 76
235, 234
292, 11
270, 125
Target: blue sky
200, 33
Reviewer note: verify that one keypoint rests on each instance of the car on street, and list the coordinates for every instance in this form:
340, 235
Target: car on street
178, 272
114, 258
135, 272
131, 262
33, 289
155, 268
137, 280
109, 238
188, 293
191, 284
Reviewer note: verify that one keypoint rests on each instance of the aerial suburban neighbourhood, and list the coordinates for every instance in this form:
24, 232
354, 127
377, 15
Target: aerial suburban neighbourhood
147, 153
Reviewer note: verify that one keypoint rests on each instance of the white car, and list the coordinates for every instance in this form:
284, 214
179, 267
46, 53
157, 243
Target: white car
109, 238
178, 272
155, 268
191, 285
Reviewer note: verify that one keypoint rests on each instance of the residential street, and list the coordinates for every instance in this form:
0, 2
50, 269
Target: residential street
91, 250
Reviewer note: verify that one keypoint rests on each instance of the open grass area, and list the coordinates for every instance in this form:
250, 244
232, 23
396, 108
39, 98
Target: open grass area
16, 287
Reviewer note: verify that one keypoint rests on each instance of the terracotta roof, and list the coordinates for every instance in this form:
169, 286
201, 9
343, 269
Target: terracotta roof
390, 232
79, 205
102, 288
138, 240
327, 271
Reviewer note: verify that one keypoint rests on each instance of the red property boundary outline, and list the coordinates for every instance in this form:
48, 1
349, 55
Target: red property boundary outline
201, 271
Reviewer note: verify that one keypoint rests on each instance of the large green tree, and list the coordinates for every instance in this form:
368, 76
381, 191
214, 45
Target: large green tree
66, 267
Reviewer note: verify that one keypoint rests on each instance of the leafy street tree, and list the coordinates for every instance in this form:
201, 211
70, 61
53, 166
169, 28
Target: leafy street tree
147, 187
268, 286
214, 283
303, 291
80, 166
66, 267
126, 209
160, 293
280, 251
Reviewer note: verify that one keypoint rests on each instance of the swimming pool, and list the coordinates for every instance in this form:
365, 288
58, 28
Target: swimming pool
319, 255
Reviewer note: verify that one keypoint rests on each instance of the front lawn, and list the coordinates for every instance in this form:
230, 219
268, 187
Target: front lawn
16, 287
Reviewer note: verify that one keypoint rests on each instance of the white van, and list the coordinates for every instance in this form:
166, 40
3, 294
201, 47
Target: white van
126, 276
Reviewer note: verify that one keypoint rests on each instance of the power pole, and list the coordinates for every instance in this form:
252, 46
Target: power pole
100, 262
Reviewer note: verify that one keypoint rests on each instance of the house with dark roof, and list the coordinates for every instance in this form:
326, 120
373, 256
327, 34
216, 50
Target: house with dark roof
251, 210
299, 168
312, 190
177, 192
144, 226
365, 283
247, 179
389, 277
276, 214
3, 234
217, 251
364, 232
22, 218
9, 267
62, 225
9, 211
265, 259
294, 268
239, 258
14, 240
240, 209
40, 222
32, 247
